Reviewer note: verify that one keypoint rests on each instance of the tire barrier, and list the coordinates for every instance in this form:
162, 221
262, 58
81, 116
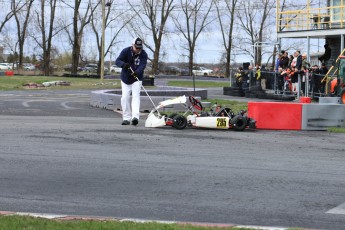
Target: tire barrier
296, 116
256, 92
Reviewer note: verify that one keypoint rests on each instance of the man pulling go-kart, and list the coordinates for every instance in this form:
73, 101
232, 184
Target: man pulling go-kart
196, 116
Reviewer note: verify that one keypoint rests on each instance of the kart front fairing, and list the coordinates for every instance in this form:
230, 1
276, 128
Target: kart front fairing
155, 119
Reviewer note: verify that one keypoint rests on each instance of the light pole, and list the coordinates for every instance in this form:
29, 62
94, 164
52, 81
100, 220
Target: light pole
102, 40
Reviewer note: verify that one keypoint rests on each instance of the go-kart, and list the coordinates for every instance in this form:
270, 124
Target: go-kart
196, 116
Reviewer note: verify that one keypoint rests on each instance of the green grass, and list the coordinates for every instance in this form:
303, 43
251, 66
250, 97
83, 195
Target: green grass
17, 82
235, 106
32, 223
336, 130
199, 84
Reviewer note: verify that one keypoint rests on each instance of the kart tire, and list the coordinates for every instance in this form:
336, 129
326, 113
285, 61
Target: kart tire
239, 123
179, 122
342, 96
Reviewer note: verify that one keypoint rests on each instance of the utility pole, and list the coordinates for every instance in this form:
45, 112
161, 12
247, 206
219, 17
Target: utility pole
103, 40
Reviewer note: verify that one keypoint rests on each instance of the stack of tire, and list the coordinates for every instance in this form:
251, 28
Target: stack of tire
256, 92
282, 97
233, 91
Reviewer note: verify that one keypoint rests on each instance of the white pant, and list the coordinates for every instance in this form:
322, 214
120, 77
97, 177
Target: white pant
129, 111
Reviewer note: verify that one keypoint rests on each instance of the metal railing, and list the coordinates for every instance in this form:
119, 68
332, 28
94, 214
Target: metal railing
331, 17
310, 84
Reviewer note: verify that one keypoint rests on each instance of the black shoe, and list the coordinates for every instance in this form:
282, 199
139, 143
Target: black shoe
135, 121
125, 122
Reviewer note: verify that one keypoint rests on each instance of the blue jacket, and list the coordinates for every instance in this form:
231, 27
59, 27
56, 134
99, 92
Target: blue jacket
137, 61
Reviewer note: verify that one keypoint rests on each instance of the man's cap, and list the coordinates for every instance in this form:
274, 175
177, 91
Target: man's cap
138, 43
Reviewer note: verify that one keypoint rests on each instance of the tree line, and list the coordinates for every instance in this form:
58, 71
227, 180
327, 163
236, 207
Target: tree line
241, 23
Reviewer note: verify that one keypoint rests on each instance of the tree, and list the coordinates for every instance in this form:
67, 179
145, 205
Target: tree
226, 21
156, 14
22, 20
192, 22
81, 18
45, 42
254, 23
15, 6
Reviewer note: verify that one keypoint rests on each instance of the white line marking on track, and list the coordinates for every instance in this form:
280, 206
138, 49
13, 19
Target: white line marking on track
337, 210
26, 103
64, 104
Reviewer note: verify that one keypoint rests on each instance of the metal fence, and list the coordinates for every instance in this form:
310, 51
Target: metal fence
307, 84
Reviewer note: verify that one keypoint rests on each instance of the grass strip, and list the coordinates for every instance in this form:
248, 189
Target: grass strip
336, 130
17, 83
35, 223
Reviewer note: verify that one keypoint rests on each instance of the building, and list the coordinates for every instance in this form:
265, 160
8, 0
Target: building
322, 19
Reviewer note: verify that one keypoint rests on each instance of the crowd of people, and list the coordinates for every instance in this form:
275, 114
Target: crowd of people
286, 74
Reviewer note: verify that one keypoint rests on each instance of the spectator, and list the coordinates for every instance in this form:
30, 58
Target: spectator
251, 76
294, 80
299, 60
327, 55
263, 78
323, 71
303, 73
291, 57
257, 74
305, 62
287, 79
280, 79
315, 79
284, 61
239, 77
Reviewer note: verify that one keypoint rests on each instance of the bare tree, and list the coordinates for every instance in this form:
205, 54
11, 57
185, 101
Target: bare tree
192, 22
111, 19
15, 6
254, 22
22, 20
226, 20
81, 18
45, 41
154, 17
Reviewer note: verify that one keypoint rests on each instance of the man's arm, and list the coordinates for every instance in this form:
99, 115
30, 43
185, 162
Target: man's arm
121, 59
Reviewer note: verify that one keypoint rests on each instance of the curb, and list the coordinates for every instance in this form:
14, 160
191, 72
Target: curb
98, 218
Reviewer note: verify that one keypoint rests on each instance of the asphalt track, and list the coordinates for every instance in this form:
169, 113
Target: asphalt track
59, 155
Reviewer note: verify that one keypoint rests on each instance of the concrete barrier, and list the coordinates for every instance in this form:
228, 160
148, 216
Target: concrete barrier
276, 115
296, 116
322, 116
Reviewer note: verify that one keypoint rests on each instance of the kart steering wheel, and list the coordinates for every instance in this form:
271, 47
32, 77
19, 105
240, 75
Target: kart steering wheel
195, 103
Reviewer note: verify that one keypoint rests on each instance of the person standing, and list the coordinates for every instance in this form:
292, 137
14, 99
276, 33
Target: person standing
284, 60
263, 78
327, 55
131, 58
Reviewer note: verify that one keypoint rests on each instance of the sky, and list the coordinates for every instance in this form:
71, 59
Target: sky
209, 46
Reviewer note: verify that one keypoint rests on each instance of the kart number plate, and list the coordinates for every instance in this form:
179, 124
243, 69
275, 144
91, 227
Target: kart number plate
221, 123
